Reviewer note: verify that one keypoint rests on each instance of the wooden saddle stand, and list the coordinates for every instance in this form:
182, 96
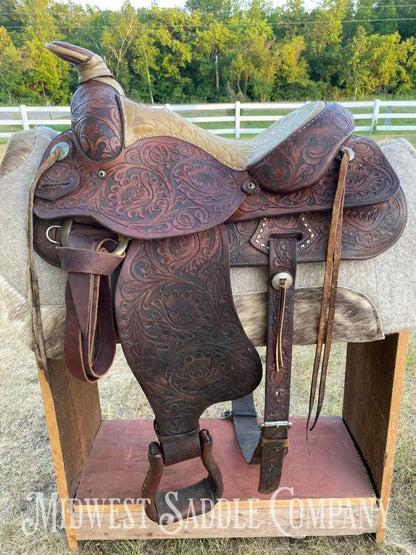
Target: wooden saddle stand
152, 210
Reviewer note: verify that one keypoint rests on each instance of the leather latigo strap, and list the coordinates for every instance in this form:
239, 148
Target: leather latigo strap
89, 328
269, 446
185, 345
329, 292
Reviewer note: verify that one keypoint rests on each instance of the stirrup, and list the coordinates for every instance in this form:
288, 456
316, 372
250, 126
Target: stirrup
209, 488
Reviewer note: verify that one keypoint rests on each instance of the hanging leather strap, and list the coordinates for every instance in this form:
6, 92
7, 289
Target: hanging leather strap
90, 341
329, 291
268, 445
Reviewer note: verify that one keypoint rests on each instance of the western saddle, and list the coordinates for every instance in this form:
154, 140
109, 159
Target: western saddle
152, 210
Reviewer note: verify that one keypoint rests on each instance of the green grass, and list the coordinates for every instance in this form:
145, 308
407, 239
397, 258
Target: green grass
383, 136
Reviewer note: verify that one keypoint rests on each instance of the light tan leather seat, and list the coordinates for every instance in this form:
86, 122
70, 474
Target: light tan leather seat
144, 121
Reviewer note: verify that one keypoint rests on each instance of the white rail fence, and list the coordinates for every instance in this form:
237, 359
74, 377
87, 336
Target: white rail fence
237, 113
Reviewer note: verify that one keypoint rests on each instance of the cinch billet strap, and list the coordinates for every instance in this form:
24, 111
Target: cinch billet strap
269, 446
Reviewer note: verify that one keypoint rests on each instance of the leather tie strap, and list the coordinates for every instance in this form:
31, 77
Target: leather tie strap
329, 291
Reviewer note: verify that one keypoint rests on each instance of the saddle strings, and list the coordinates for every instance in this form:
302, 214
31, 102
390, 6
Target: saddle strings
329, 292
32, 279
279, 349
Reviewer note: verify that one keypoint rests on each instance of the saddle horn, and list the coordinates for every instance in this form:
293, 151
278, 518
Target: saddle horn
96, 107
88, 64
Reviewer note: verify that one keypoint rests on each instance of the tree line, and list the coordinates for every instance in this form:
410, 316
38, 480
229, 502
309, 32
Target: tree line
215, 50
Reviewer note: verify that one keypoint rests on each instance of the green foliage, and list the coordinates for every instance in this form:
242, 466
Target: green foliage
376, 64
214, 50
10, 68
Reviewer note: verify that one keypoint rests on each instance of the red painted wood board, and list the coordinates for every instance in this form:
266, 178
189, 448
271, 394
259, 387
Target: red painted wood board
331, 468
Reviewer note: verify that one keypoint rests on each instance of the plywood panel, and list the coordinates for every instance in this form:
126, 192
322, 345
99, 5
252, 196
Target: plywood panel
372, 398
78, 415
329, 469
324, 491
73, 416
232, 520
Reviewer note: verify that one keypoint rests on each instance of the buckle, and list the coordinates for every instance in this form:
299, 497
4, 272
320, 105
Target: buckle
66, 228
275, 424
227, 415
230, 414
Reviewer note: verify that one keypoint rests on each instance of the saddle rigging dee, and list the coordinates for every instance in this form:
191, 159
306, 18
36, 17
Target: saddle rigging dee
171, 206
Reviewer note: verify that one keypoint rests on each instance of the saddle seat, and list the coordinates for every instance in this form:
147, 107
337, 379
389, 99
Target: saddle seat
317, 129
143, 121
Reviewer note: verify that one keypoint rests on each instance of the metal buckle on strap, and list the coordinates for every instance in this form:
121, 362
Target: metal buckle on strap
275, 424
227, 415
123, 241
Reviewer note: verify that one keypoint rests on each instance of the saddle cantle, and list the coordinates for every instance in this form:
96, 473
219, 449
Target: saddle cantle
170, 206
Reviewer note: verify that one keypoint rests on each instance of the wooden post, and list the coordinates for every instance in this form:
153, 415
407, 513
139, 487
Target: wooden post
372, 396
387, 121
73, 416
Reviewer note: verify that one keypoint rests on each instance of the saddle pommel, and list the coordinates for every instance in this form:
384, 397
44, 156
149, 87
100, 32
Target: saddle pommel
90, 66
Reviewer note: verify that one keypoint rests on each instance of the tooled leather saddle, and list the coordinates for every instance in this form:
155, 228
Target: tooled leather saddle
155, 210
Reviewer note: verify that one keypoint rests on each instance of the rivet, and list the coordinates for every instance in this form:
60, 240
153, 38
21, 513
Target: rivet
249, 187
101, 174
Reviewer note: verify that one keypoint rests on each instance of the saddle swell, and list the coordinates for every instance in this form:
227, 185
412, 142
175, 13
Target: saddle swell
191, 204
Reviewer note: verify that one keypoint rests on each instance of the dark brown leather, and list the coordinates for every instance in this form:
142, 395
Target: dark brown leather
304, 158
370, 180
90, 340
273, 443
156, 188
366, 232
207, 490
97, 122
179, 329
